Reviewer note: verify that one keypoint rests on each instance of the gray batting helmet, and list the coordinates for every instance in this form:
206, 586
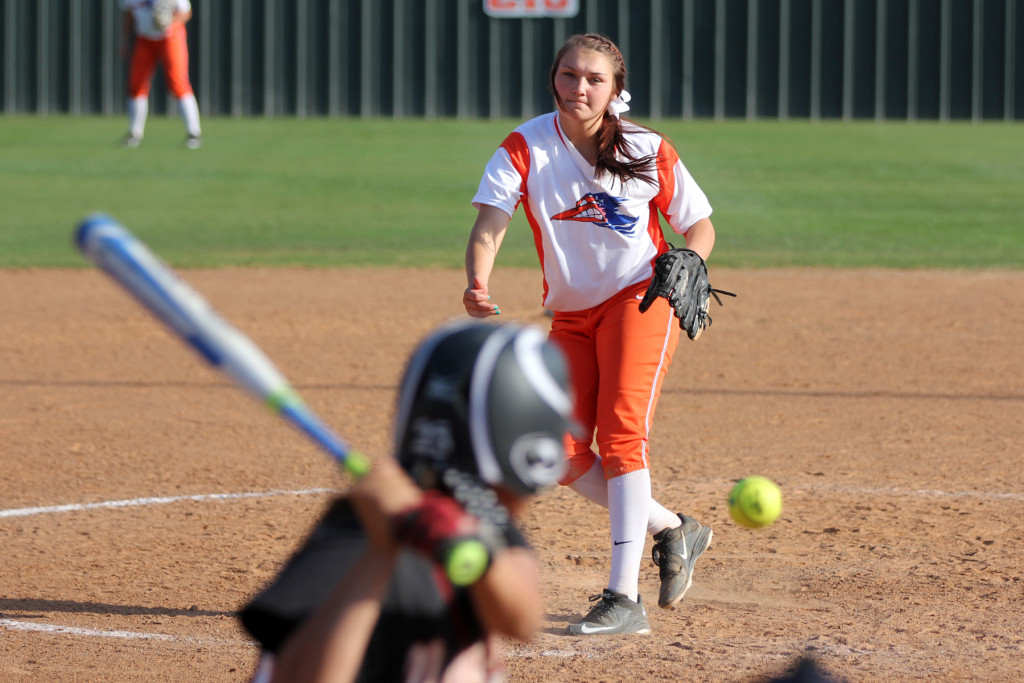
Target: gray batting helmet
492, 401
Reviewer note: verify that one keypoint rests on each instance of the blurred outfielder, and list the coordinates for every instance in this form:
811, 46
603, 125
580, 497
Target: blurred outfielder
158, 27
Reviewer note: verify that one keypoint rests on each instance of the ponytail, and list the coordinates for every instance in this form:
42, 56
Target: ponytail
615, 155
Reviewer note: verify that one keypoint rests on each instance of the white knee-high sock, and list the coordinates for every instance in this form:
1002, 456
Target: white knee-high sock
661, 518
138, 110
593, 486
629, 502
189, 109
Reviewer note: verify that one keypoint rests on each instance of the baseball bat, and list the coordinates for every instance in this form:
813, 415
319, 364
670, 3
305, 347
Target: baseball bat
128, 261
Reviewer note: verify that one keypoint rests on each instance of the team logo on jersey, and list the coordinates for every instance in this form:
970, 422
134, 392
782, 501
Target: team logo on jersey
600, 208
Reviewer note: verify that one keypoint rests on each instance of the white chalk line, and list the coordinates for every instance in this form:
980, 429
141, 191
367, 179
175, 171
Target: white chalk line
57, 629
15, 625
12, 624
163, 500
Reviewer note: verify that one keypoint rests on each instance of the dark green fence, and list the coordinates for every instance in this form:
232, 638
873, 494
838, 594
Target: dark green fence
836, 59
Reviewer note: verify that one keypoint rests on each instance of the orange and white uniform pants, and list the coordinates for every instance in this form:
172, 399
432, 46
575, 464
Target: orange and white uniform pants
618, 359
171, 52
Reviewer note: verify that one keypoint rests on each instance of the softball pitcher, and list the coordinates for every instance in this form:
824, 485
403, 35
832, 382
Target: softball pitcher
158, 27
592, 186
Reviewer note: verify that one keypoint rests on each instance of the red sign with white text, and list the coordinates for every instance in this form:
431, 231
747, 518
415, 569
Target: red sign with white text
531, 8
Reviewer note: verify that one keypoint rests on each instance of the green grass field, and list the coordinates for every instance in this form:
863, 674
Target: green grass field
342, 192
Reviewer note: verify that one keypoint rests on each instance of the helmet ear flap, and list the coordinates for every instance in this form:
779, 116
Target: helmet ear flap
537, 459
431, 434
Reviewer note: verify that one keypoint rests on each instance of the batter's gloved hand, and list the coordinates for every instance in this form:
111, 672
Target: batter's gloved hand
681, 277
439, 528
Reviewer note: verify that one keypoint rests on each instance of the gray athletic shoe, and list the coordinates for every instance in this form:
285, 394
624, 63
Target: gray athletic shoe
614, 614
675, 551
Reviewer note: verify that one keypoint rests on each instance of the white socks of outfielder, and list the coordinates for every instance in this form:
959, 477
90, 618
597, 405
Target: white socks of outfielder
189, 109
138, 110
594, 487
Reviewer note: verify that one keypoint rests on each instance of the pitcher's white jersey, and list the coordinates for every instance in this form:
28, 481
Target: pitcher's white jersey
142, 13
593, 237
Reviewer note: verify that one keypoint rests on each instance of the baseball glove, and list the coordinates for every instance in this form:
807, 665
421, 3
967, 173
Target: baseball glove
681, 277
163, 13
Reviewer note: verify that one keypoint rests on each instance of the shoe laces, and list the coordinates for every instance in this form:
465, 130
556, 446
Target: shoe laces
608, 602
660, 554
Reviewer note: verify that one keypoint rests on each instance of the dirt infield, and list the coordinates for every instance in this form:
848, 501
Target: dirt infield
888, 405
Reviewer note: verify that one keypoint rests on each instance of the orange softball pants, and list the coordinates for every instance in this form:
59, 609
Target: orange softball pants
618, 359
171, 52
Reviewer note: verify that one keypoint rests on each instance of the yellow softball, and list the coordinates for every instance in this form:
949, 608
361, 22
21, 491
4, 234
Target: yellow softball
755, 502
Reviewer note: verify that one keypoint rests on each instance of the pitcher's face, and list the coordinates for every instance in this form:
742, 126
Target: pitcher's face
585, 83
